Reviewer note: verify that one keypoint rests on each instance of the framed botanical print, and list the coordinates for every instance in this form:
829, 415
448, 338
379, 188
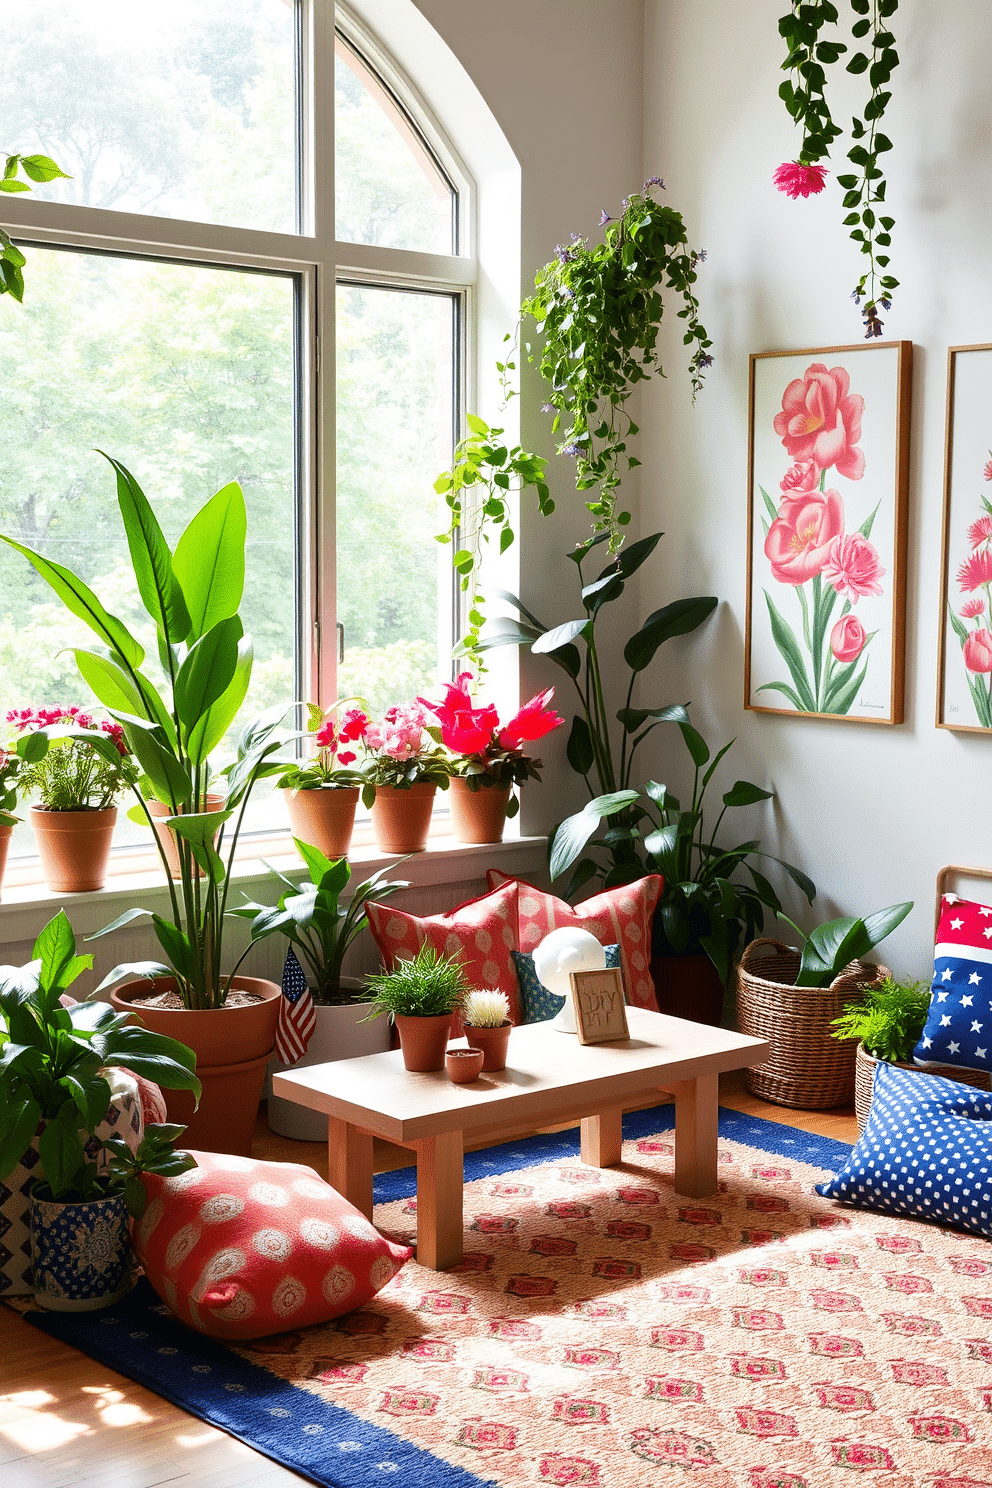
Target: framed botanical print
964, 674
827, 514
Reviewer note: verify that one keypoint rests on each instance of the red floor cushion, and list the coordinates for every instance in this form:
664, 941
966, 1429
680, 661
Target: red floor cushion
480, 933
238, 1248
620, 916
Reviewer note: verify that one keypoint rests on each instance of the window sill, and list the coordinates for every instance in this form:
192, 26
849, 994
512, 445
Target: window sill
27, 905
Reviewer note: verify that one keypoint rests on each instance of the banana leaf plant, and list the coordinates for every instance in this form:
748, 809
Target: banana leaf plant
831, 947
192, 595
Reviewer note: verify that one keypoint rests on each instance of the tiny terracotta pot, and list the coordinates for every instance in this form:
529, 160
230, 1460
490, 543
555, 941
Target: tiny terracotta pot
464, 1065
493, 1042
5, 835
74, 847
423, 1041
478, 815
161, 809
401, 819
324, 817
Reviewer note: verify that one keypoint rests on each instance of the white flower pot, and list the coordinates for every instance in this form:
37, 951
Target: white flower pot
339, 1034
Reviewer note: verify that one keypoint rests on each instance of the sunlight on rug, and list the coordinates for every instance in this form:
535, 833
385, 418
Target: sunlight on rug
605, 1332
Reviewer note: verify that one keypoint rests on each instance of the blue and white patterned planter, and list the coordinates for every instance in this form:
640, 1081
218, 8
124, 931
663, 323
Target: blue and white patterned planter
80, 1253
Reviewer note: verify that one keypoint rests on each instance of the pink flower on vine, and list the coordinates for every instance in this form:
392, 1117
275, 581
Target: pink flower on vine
853, 567
980, 531
800, 538
976, 570
796, 179
820, 420
971, 609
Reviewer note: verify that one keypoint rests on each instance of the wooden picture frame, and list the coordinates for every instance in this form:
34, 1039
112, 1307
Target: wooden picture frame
828, 486
964, 656
600, 1009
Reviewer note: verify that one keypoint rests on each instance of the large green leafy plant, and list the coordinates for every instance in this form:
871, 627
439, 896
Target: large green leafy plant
192, 595
51, 1063
830, 947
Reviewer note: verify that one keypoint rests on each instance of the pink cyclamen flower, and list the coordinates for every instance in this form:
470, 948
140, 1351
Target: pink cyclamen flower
977, 651
848, 637
796, 179
533, 721
971, 609
800, 477
800, 538
853, 567
820, 420
980, 531
975, 571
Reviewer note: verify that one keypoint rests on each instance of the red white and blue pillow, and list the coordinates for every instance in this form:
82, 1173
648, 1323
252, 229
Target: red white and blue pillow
958, 1029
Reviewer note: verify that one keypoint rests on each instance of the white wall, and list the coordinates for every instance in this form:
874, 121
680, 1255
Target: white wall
869, 812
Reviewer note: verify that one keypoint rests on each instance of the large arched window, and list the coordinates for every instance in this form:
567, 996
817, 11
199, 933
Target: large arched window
261, 269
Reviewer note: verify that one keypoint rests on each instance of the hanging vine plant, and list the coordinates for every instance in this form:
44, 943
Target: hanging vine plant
811, 50
597, 310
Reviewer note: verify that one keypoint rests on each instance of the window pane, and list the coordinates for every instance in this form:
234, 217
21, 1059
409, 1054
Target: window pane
183, 110
395, 397
186, 374
388, 187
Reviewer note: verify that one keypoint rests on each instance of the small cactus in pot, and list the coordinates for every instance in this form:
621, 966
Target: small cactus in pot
486, 1017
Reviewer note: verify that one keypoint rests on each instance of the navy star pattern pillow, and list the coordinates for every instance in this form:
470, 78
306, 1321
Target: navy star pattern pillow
959, 1021
537, 1002
925, 1153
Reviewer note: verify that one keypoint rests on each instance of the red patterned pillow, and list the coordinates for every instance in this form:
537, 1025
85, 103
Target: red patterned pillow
238, 1248
620, 916
481, 933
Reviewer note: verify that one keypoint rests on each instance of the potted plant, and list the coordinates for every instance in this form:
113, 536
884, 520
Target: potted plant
320, 928
791, 998
420, 995
322, 793
192, 595
404, 767
487, 759
886, 1022
78, 784
486, 1021
54, 1091
10, 769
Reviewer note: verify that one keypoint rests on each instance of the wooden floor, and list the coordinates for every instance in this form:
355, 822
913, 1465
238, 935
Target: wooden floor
66, 1420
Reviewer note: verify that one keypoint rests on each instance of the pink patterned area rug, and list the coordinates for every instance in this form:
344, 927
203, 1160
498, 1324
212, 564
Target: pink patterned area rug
606, 1332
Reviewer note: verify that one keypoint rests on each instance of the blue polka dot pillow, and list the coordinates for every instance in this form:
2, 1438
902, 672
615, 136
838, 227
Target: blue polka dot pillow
537, 1002
925, 1153
959, 1022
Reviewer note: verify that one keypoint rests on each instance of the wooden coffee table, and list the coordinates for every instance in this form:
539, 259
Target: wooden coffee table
550, 1078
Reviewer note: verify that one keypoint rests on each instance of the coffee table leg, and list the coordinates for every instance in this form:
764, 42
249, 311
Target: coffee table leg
602, 1139
440, 1176
349, 1163
696, 1114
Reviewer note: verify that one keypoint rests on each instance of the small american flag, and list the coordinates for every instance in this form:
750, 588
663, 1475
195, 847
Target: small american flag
297, 1017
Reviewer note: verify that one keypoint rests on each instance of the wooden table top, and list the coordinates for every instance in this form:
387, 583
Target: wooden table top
549, 1076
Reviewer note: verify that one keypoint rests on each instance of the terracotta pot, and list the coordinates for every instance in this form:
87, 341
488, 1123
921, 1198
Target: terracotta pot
423, 1041
401, 819
5, 835
493, 1043
462, 1066
74, 847
232, 1047
688, 987
339, 1034
478, 815
324, 817
80, 1252
213, 802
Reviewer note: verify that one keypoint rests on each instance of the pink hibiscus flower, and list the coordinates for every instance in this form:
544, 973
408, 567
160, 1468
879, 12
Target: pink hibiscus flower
975, 571
821, 420
853, 567
800, 538
798, 180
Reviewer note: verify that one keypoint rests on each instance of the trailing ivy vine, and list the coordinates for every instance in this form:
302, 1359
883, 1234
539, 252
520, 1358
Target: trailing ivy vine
37, 168
810, 52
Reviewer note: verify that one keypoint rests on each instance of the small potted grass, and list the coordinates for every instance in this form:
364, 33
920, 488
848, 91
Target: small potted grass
486, 1016
420, 995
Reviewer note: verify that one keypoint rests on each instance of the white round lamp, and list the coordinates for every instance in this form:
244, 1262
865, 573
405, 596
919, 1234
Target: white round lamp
559, 953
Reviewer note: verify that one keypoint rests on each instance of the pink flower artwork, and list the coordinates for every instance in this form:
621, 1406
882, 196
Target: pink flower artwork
970, 623
977, 651
799, 540
821, 420
853, 567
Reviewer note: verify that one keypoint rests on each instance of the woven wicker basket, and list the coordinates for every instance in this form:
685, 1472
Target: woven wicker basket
864, 1079
806, 1067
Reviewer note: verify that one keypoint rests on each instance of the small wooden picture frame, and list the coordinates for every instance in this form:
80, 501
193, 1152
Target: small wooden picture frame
600, 1013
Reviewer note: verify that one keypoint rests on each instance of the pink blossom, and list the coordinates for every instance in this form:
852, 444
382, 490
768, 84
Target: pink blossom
116, 732
796, 179
977, 651
400, 735
980, 531
971, 609
802, 476
988, 470
533, 721
975, 570
327, 735
799, 539
820, 420
853, 567
848, 637
353, 724
464, 729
